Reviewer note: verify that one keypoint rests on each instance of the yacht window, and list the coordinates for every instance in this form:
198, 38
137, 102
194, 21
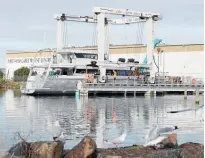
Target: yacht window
79, 55
57, 72
86, 55
109, 72
80, 71
68, 72
64, 72
92, 71
123, 72
34, 73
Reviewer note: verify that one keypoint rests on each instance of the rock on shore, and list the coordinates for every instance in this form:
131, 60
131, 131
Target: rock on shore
187, 150
36, 150
87, 149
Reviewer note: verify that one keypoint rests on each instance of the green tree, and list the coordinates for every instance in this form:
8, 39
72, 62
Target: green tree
1, 74
21, 74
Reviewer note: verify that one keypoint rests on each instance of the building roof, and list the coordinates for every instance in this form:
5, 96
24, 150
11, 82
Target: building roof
135, 47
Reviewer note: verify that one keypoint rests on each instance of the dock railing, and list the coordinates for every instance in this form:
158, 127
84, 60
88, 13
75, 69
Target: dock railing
141, 85
122, 86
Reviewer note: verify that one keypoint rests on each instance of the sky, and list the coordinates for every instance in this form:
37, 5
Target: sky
30, 24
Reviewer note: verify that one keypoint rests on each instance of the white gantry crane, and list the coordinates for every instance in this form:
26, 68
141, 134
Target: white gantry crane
61, 18
103, 22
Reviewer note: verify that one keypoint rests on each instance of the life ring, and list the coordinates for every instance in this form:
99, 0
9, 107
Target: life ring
193, 81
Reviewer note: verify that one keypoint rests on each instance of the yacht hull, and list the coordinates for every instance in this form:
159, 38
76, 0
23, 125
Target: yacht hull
47, 92
60, 86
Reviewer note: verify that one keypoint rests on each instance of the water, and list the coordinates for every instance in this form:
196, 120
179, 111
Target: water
99, 117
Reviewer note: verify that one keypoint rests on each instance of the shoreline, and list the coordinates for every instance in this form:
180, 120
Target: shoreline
6, 84
87, 148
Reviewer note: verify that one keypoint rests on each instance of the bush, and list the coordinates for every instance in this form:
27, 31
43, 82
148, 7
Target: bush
21, 74
1, 74
2, 82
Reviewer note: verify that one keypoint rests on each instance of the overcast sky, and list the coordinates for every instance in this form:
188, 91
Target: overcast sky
23, 23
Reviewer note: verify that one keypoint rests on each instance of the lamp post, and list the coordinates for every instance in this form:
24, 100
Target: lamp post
158, 51
162, 51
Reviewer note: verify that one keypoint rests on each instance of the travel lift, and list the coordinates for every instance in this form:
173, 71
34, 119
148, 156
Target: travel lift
103, 22
61, 18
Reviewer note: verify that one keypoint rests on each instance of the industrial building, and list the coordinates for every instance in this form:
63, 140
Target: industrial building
174, 60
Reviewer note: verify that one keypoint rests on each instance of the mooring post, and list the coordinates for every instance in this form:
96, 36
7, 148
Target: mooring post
197, 96
185, 93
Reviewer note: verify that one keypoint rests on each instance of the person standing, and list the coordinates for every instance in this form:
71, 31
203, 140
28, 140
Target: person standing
115, 75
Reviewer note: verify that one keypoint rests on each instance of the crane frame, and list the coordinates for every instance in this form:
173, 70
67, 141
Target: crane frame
103, 22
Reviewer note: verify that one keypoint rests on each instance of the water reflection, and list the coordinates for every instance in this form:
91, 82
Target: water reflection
100, 117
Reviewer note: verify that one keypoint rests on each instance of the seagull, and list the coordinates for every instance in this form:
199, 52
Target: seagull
58, 135
157, 134
61, 138
156, 141
118, 140
185, 110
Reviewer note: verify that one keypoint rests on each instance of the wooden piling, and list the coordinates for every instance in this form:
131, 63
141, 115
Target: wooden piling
197, 96
125, 93
185, 93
